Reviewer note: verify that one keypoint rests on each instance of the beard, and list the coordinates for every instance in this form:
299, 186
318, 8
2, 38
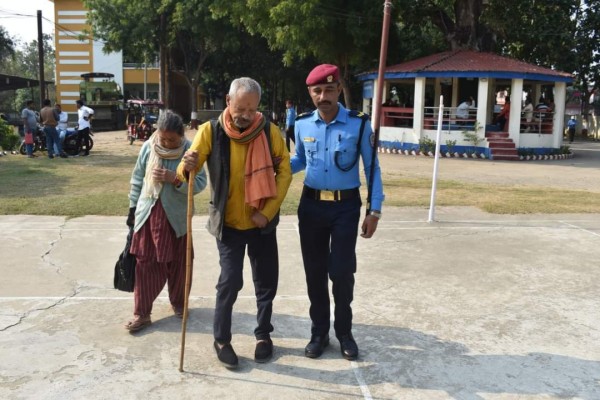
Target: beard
241, 122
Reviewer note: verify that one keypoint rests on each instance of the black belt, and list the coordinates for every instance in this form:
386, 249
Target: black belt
330, 195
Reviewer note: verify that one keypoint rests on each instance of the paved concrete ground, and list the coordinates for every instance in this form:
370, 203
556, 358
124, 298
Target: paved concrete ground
474, 306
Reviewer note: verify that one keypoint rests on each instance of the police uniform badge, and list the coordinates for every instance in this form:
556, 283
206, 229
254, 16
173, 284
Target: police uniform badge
372, 139
329, 78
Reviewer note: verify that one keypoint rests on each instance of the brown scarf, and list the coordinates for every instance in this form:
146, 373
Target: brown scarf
259, 174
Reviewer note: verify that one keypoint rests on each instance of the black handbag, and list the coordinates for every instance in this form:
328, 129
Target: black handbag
125, 267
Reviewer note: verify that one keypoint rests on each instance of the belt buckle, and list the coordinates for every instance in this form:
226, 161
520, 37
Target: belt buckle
326, 195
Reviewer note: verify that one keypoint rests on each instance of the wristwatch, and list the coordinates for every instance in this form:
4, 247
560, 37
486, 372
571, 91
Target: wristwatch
375, 213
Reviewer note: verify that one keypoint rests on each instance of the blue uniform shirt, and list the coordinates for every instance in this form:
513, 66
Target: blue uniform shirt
317, 144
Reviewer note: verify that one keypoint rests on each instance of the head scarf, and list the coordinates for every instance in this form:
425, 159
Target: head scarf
155, 160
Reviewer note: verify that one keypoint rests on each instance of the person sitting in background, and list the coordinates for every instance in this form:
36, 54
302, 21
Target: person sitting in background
541, 108
61, 117
528, 114
462, 111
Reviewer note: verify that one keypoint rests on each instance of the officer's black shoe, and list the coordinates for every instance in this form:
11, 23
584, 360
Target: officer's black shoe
226, 355
315, 347
349, 347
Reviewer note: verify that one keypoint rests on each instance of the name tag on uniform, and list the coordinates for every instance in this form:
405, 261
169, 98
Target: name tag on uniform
309, 139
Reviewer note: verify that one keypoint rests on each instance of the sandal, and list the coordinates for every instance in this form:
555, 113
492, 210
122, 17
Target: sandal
178, 311
138, 323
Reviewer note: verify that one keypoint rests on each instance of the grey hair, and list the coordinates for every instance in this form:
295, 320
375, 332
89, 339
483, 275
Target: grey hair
245, 85
170, 121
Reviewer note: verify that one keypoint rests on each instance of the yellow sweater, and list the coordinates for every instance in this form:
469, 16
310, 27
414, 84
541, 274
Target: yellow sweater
237, 212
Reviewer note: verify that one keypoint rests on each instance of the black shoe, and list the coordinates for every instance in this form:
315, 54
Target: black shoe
263, 351
349, 347
63, 155
51, 157
226, 355
315, 347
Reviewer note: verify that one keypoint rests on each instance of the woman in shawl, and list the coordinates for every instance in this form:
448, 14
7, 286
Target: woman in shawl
158, 213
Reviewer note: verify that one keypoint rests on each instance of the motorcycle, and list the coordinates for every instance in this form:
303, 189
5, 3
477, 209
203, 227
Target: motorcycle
71, 143
39, 142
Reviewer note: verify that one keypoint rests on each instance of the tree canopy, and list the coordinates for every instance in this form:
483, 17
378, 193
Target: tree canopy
206, 34
7, 46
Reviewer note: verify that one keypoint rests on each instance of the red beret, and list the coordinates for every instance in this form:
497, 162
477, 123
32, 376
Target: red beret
324, 73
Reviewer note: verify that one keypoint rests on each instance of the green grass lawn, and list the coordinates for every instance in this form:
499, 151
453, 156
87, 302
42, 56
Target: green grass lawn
99, 185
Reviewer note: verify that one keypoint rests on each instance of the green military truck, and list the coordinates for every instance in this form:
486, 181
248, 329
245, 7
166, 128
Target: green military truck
100, 92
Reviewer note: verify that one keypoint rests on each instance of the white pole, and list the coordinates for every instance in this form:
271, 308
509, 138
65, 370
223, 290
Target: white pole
435, 162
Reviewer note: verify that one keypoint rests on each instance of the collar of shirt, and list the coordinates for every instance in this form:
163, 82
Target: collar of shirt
342, 116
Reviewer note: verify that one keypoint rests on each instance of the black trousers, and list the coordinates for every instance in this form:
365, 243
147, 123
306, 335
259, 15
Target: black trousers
289, 135
84, 135
264, 260
328, 233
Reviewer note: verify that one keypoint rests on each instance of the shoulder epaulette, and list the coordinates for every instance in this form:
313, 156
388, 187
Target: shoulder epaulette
359, 114
304, 115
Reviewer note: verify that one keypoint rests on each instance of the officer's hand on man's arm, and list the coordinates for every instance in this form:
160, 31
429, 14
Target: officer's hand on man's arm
369, 226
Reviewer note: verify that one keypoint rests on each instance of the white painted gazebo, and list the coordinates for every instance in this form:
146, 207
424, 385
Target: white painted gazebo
458, 75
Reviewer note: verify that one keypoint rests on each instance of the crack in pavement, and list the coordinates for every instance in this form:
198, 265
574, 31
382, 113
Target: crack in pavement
46, 256
23, 316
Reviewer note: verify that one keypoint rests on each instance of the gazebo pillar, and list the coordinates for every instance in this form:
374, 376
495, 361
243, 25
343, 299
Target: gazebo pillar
482, 105
560, 94
514, 122
419, 105
454, 102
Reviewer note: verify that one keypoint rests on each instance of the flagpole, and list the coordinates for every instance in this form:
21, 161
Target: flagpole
435, 162
379, 94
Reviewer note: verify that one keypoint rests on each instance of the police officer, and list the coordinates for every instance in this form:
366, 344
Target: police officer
329, 143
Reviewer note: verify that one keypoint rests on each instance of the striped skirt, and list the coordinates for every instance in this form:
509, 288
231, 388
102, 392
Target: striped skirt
160, 259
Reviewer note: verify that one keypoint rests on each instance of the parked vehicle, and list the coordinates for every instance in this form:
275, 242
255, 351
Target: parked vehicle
39, 142
141, 118
71, 144
99, 91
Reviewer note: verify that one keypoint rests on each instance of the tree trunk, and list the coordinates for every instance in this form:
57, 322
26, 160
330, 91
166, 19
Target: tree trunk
466, 14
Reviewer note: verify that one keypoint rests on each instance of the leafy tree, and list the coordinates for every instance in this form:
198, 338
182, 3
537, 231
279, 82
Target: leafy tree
7, 45
458, 21
342, 32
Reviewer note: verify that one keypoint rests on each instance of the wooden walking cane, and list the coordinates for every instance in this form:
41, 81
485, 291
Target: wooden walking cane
188, 264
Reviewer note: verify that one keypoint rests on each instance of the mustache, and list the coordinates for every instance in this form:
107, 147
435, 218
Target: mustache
324, 102
241, 122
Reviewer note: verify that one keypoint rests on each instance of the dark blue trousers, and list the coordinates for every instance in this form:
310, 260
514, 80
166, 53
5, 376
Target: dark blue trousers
328, 232
264, 260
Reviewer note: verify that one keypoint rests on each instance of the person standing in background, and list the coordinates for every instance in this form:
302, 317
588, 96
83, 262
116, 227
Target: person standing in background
30, 122
290, 121
47, 114
84, 126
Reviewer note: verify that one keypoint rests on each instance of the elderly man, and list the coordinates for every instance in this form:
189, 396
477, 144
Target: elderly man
249, 169
329, 143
